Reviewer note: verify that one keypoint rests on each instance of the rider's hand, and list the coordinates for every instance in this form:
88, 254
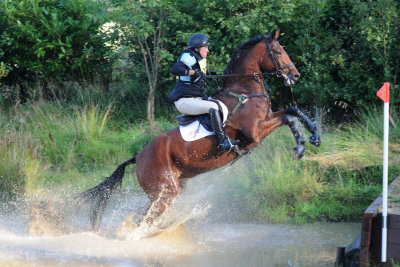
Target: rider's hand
197, 73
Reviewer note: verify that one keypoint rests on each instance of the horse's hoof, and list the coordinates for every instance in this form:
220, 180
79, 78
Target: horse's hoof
299, 151
315, 140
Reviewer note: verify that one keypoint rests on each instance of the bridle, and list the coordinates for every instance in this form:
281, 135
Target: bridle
242, 98
278, 68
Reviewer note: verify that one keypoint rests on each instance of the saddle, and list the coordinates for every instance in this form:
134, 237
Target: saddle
203, 119
194, 127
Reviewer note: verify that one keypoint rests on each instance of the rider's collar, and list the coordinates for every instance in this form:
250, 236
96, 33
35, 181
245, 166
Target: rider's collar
194, 53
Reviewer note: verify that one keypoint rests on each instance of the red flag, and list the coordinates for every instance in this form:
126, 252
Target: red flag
383, 93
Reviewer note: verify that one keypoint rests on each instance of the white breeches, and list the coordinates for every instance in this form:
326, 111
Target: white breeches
194, 105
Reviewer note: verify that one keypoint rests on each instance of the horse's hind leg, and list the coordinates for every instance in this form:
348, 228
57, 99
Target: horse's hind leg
158, 204
161, 186
160, 198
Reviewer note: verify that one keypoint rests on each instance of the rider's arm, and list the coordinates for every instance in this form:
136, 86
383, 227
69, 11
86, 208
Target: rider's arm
180, 69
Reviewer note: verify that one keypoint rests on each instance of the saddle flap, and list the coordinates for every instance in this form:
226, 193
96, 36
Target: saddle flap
184, 120
204, 120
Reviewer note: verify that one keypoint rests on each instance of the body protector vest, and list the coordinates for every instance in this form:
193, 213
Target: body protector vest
186, 85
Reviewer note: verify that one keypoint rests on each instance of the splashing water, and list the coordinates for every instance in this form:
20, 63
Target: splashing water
168, 222
186, 235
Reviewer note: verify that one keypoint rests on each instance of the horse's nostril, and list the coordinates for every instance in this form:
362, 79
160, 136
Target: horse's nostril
296, 76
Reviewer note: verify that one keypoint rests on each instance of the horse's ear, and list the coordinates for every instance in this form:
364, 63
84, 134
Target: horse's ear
274, 35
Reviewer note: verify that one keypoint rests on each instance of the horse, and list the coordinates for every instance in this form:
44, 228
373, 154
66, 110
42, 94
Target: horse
167, 162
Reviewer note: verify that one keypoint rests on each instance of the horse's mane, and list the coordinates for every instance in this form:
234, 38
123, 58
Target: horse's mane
238, 52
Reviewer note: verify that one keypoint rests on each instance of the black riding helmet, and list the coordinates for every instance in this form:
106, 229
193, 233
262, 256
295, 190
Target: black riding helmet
198, 40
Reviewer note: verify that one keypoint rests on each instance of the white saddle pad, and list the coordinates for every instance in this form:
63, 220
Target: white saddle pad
195, 130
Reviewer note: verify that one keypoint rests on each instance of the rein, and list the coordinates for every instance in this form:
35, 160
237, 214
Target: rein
240, 74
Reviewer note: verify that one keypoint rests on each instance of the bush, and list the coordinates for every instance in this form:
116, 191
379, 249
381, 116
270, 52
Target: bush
50, 41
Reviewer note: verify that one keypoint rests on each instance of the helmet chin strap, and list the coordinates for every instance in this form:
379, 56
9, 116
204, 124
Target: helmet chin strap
197, 50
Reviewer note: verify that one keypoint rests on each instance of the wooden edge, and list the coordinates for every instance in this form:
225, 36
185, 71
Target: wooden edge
366, 226
376, 205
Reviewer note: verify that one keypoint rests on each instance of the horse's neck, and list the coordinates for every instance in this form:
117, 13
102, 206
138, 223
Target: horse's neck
248, 64
246, 84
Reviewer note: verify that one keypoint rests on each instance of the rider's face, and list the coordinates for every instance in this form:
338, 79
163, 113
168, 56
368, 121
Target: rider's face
203, 51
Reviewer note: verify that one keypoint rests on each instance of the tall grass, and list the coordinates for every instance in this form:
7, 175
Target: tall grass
278, 180
91, 122
335, 182
48, 145
52, 146
20, 160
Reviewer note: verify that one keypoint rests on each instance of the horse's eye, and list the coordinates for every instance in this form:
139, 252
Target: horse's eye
278, 53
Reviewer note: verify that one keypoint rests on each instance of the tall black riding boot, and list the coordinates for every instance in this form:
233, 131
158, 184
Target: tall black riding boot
225, 144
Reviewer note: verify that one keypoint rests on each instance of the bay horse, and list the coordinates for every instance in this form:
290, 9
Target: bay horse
167, 162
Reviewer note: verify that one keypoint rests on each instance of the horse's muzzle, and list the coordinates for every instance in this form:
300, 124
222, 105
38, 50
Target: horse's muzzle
296, 77
291, 78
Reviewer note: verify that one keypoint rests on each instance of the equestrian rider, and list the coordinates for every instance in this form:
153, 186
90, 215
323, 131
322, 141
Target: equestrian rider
189, 93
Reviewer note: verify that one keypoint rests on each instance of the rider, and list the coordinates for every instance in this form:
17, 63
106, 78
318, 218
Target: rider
189, 92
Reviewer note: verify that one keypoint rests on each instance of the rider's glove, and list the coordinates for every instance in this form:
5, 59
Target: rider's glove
197, 73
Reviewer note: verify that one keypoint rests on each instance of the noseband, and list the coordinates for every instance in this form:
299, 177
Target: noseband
278, 68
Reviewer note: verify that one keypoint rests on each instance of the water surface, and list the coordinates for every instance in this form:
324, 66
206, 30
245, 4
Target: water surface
202, 241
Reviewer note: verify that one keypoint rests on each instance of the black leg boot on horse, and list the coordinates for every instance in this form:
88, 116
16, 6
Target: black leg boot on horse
225, 143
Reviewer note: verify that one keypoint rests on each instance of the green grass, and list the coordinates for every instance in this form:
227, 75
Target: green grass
52, 147
335, 182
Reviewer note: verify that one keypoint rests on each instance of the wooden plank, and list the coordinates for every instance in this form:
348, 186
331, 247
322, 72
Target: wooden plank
365, 239
393, 236
376, 238
364, 256
393, 251
366, 230
394, 221
375, 206
371, 231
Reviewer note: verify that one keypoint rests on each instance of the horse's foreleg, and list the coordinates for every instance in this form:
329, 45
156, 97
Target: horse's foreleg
315, 139
279, 119
298, 135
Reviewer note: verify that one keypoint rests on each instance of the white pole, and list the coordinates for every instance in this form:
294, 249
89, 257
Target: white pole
385, 177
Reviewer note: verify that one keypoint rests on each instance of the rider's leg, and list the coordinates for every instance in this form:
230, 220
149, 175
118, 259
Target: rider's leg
194, 105
225, 144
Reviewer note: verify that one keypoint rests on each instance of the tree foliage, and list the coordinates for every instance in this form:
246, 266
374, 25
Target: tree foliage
347, 49
344, 49
53, 41
142, 27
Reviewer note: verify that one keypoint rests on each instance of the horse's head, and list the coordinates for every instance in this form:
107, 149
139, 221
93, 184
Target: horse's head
277, 60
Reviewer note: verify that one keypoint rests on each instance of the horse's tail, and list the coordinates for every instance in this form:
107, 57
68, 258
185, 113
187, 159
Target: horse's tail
100, 194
